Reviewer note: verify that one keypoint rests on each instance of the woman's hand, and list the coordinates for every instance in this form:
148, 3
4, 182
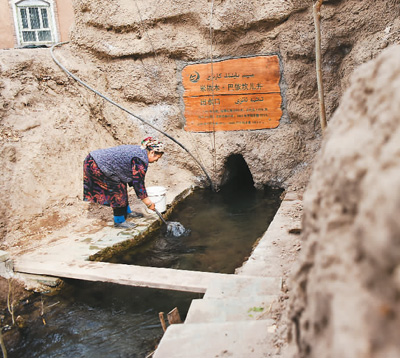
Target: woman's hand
150, 205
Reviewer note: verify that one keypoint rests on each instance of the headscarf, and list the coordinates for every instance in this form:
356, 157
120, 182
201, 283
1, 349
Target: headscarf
151, 143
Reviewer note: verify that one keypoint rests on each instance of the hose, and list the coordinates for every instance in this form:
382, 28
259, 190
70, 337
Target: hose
126, 110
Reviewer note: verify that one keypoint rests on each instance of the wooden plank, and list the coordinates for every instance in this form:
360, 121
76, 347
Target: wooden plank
162, 321
233, 112
227, 74
236, 94
161, 278
174, 317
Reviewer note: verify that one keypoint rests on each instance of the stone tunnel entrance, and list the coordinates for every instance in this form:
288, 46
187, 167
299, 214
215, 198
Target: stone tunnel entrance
237, 176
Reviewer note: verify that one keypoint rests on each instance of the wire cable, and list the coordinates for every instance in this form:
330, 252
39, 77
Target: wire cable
156, 58
214, 145
125, 110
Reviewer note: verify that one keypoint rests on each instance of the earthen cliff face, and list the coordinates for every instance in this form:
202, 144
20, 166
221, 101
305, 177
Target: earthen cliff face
142, 46
346, 301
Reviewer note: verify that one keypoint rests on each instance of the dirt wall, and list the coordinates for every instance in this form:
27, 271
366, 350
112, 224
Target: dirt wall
142, 46
346, 289
133, 52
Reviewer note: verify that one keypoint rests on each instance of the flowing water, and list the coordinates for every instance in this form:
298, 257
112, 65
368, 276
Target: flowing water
98, 320
224, 227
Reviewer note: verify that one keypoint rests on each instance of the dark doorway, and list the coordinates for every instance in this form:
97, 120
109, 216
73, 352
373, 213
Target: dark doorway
237, 176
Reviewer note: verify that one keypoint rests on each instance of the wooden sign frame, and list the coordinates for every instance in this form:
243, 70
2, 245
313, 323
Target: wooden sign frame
235, 94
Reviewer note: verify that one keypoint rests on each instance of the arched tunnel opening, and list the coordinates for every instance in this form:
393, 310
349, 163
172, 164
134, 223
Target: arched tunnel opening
237, 176
238, 189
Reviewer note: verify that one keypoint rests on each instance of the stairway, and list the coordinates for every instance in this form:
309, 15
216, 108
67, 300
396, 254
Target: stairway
232, 320
234, 317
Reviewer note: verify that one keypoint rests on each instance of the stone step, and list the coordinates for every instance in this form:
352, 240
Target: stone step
243, 286
247, 339
230, 309
37, 280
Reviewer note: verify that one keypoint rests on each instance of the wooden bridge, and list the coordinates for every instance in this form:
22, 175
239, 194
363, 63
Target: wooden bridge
130, 275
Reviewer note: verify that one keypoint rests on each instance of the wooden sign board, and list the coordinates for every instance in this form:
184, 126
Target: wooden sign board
237, 94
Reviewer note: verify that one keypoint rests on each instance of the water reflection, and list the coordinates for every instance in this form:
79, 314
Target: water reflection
98, 320
224, 227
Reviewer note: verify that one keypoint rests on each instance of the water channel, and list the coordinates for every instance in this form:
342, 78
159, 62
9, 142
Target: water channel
224, 227
96, 320
107, 320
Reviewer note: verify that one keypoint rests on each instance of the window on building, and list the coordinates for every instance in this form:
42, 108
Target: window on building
35, 22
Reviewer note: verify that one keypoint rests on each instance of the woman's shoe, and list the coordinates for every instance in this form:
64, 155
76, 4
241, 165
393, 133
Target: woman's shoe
134, 215
125, 225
